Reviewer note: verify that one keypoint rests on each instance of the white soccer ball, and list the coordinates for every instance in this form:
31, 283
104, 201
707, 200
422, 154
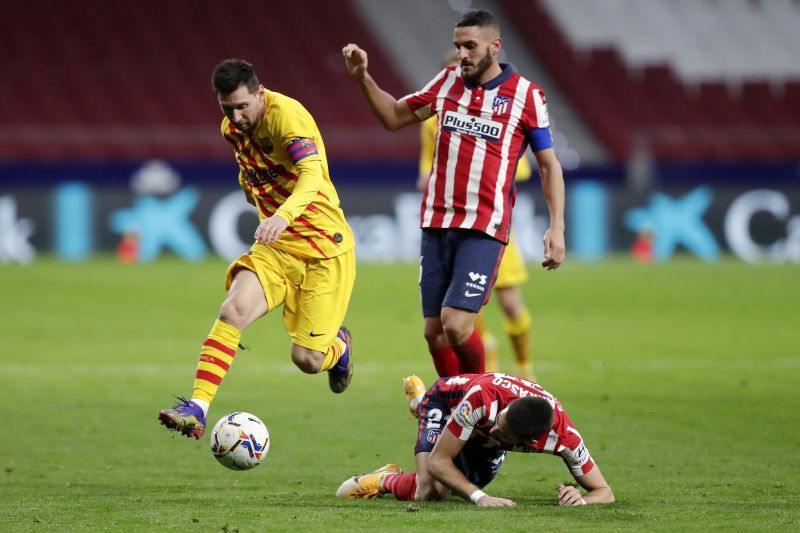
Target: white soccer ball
240, 441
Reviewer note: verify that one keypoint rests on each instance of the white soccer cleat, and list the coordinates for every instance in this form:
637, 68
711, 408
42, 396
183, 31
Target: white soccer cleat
366, 485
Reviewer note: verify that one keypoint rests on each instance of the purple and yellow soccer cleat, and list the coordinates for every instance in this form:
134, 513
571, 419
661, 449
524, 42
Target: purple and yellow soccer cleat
186, 417
340, 375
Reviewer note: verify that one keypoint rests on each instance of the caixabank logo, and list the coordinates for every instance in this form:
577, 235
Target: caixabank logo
76, 219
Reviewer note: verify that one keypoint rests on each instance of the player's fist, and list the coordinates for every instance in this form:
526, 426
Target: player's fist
569, 495
554, 248
355, 59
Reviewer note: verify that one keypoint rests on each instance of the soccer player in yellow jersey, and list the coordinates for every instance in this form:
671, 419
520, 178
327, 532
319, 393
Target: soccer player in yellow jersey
510, 274
303, 256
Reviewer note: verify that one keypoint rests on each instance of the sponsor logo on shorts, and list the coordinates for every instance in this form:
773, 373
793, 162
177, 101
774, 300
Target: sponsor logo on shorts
312, 334
478, 283
480, 278
433, 435
461, 123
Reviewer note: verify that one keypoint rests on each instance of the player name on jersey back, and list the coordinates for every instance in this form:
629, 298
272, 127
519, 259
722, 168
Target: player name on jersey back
482, 128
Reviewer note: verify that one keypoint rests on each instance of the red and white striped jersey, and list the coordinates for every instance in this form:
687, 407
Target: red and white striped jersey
475, 401
482, 131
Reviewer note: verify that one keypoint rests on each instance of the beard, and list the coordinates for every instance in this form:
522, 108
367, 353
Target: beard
482, 66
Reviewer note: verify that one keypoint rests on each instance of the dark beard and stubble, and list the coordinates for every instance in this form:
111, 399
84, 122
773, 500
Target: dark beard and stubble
482, 66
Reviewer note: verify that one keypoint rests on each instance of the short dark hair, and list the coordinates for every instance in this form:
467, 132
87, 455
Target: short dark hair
477, 17
231, 73
530, 417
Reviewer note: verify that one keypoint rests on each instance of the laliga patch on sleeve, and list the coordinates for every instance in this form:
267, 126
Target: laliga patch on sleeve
540, 104
464, 415
301, 148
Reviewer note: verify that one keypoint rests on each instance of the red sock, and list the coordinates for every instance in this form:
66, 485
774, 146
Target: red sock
446, 361
471, 355
403, 486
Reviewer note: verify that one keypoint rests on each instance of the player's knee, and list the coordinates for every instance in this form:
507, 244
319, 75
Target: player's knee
309, 361
457, 332
436, 340
234, 313
434, 335
457, 325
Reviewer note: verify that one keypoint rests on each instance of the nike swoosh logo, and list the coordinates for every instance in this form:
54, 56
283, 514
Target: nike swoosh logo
312, 334
472, 294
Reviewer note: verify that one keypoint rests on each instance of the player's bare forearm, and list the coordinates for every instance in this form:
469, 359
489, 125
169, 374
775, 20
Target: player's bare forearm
552, 178
597, 490
391, 113
441, 468
604, 495
569, 496
444, 471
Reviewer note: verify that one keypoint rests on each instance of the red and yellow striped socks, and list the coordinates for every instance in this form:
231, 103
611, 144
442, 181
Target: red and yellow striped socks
519, 333
216, 357
333, 354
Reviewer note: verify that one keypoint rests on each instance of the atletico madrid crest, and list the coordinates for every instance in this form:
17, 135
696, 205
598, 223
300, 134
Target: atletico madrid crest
500, 105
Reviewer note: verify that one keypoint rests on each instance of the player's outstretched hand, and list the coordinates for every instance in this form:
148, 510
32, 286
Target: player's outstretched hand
355, 59
491, 501
554, 248
569, 495
270, 229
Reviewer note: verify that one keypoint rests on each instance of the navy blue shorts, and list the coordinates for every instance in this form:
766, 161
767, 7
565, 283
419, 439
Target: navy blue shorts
478, 464
458, 268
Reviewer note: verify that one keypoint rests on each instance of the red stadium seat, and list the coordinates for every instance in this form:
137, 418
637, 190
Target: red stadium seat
709, 121
147, 64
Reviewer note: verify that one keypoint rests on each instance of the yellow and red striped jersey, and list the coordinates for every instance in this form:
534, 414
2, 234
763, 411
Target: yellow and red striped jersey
283, 170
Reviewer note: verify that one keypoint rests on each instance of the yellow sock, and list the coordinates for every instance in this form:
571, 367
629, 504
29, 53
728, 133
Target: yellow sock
216, 357
519, 332
490, 346
333, 354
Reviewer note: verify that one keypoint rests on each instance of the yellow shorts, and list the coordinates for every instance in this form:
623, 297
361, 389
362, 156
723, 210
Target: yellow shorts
512, 270
315, 292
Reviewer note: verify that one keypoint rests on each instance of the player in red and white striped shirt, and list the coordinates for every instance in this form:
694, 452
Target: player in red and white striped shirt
487, 115
467, 423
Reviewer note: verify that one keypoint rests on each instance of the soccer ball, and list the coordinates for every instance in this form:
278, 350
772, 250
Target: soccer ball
240, 441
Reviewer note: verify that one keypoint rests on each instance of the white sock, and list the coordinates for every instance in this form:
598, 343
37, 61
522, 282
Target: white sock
204, 405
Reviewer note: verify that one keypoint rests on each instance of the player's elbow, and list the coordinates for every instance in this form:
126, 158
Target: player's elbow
391, 124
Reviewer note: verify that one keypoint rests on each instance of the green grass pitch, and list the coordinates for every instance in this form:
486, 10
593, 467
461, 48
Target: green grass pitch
683, 378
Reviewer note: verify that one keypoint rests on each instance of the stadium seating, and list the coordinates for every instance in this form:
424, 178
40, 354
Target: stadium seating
131, 78
697, 79
694, 79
